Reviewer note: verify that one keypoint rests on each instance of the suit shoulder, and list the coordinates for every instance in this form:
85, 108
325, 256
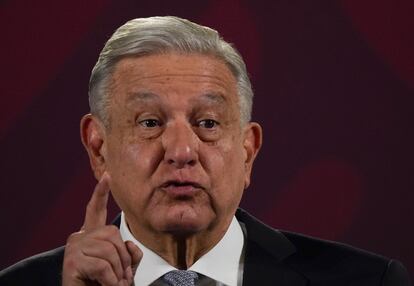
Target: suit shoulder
316, 249
311, 246
41, 269
314, 256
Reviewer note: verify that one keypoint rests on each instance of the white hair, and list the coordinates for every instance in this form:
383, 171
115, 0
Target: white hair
157, 35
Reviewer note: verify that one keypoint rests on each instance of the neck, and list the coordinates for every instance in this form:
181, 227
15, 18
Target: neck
182, 250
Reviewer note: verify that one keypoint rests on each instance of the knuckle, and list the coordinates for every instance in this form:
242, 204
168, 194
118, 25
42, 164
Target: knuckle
102, 268
112, 229
74, 237
109, 278
108, 248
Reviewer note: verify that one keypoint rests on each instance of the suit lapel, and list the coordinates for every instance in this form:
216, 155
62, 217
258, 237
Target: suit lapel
265, 252
260, 268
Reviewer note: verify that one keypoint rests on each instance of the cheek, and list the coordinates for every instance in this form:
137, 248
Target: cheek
232, 154
131, 165
131, 155
226, 170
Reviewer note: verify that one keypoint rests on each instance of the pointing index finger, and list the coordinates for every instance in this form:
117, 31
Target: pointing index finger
96, 210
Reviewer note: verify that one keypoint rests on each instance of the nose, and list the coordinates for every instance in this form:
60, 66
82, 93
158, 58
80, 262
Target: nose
180, 144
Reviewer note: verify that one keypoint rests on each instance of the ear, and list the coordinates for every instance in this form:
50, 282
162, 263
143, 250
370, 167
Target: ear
252, 143
93, 138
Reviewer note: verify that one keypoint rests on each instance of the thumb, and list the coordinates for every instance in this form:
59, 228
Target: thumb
136, 255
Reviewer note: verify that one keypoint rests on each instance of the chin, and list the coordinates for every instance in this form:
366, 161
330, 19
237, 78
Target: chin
181, 220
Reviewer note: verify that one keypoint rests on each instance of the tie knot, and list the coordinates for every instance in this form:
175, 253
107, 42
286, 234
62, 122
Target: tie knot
180, 278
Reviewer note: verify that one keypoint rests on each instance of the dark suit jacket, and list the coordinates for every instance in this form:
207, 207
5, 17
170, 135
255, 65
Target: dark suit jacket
272, 257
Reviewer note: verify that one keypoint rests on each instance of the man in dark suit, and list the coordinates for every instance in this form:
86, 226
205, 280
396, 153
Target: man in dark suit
170, 136
271, 258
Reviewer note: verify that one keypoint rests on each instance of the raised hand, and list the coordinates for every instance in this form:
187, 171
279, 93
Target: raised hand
96, 254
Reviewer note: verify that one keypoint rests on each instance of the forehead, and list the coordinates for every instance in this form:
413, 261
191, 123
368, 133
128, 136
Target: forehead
187, 74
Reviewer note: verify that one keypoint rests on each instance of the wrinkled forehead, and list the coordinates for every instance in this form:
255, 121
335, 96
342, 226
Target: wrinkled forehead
142, 78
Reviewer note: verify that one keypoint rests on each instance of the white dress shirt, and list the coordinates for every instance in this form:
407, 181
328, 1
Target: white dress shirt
223, 263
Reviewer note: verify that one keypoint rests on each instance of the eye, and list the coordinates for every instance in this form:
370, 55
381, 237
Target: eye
149, 123
208, 123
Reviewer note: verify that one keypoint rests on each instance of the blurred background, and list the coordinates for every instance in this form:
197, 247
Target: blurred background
334, 92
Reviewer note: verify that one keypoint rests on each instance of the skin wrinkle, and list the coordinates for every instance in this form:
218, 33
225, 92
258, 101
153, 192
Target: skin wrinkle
141, 97
178, 90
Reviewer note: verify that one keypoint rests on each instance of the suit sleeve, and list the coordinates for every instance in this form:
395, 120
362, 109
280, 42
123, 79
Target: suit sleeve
396, 275
43, 269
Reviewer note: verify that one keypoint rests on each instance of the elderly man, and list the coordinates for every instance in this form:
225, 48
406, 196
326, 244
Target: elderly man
169, 135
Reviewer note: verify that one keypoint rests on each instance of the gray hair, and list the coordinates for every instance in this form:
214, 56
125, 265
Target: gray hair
156, 35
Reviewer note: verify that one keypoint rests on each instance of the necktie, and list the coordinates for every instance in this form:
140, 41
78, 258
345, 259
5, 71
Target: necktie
180, 278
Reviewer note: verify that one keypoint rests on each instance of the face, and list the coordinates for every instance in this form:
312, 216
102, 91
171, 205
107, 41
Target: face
177, 154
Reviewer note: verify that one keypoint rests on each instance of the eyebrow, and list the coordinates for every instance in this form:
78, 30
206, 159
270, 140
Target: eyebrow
213, 97
146, 96
143, 96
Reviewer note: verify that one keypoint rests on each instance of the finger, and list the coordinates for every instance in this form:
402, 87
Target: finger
121, 248
111, 234
99, 244
96, 209
99, 270
136, 256
78, 269
124, 282
107, 251
135, 252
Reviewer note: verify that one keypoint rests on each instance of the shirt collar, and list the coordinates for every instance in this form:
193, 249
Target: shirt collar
221, 263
